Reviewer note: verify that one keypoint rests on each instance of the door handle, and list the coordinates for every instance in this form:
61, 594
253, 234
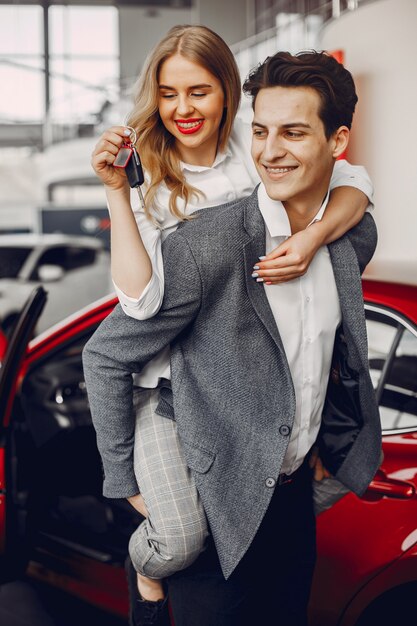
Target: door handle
390, 487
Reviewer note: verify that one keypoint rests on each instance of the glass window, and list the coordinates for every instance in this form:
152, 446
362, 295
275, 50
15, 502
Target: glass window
381, 335
68, 257
12, 260
398, 405
84, 60
21, 63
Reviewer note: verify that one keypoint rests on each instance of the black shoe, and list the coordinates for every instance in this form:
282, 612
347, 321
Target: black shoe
144, 612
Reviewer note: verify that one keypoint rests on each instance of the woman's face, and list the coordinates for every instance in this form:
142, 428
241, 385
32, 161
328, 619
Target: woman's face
191, 103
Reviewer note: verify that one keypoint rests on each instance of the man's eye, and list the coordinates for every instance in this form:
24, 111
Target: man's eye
294, 135
258, 133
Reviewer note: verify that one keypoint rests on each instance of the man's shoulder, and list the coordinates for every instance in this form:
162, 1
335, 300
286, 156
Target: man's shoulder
216, 221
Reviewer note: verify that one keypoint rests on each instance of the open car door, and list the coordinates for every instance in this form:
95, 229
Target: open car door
12, 544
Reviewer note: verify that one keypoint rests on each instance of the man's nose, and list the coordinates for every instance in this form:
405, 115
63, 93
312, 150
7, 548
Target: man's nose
185, 106
273, 148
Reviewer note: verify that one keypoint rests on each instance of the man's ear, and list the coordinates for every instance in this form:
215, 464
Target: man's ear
340, 140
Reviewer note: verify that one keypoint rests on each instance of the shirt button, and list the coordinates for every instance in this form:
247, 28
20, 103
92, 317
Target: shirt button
308, 298
284, 430
230, 196
270, 482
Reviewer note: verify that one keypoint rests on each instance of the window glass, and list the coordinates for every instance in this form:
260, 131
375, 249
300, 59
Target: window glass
84, 61
68, 257
11, 261
21, 63
398, 406
380, 338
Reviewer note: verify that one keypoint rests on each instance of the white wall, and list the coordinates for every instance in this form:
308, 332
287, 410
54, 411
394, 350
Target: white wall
380, 44
140, 29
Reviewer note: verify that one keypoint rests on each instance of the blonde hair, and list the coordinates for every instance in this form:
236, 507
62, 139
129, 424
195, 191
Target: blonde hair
156, 146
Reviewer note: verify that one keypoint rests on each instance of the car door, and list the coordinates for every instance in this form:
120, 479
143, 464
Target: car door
12, 545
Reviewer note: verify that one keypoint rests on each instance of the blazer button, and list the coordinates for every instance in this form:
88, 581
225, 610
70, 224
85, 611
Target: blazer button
270, 482
284, 430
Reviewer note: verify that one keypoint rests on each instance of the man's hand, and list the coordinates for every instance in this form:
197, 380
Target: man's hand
291, 259
138, 503
315, 462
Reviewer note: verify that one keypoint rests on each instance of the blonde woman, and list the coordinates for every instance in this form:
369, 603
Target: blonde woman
195, 155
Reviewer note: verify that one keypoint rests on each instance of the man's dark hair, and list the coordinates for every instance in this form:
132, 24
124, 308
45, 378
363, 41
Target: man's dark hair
317, 70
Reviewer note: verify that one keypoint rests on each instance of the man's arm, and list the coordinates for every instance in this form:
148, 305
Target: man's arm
122, 345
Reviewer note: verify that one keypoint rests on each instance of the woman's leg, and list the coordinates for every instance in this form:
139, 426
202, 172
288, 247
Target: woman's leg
174, 532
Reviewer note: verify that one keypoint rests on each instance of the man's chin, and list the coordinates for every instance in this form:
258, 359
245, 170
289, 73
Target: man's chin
276, 191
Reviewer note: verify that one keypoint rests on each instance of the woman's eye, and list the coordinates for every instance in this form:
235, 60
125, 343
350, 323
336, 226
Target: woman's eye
198, 95
167, 96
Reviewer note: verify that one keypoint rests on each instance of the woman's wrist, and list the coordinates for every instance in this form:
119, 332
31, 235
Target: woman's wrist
118, 192
318, 233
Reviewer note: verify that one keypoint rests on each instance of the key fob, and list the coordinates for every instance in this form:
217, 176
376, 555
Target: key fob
123, 156
134, 170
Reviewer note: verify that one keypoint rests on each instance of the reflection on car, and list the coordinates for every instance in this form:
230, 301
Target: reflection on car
69, 535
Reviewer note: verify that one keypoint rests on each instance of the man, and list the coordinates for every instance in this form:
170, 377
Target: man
251, 362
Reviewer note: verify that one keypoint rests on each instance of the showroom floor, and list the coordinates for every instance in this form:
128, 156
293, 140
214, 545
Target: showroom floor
28, 603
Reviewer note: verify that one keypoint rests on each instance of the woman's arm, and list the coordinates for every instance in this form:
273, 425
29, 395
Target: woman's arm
351, 192
135, 241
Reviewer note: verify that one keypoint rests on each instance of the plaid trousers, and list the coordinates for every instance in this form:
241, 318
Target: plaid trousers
174, 533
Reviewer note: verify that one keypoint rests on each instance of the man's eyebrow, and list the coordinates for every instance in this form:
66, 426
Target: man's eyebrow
288, 125
201, 86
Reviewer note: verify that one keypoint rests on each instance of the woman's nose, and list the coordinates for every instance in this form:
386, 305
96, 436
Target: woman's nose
184, 106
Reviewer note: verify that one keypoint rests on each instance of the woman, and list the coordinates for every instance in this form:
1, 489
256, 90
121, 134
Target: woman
195, 155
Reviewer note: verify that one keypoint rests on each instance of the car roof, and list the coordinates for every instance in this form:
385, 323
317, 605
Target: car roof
45, 239
392, 284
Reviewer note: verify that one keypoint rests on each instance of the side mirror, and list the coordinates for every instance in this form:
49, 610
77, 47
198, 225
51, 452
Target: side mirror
50, 273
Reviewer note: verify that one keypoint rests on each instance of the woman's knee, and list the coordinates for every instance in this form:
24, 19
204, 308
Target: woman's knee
161, 556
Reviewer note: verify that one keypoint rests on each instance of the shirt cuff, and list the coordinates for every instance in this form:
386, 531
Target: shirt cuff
147, 305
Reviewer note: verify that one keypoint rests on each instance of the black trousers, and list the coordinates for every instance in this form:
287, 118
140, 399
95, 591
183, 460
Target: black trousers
271, 585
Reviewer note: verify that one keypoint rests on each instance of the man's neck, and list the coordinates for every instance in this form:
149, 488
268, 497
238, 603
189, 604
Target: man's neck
300, 215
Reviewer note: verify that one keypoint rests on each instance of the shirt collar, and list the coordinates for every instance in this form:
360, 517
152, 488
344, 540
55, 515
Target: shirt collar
275, 216
220, 157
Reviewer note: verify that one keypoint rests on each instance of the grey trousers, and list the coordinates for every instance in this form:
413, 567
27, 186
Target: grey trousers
173, 535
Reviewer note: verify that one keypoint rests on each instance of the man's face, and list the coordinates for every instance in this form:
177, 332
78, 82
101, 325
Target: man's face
289, 147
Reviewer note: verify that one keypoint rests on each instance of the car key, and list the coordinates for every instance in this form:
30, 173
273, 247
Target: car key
128, 159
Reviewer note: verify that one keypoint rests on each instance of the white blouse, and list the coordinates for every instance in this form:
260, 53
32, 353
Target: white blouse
231, 177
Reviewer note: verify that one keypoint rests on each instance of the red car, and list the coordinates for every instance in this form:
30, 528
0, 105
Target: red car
53, 517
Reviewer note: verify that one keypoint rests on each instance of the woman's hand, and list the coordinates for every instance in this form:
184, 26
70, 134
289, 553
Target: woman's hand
103, 157
289, 260
138, 503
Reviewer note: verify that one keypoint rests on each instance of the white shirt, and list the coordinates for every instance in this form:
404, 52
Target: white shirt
232, 176
307, 313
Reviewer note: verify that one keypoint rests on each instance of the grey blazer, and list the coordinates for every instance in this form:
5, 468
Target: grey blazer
233, 396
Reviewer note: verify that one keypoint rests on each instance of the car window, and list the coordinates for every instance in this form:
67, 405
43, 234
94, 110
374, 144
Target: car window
12, 260
392, 350
67, 257
398, 404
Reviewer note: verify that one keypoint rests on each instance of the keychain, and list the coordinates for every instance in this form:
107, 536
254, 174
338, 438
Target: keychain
128, 159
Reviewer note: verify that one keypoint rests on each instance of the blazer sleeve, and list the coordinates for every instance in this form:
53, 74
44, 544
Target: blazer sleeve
364, 238
123, 345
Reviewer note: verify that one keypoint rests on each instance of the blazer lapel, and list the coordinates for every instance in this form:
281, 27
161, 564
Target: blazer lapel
253, 249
